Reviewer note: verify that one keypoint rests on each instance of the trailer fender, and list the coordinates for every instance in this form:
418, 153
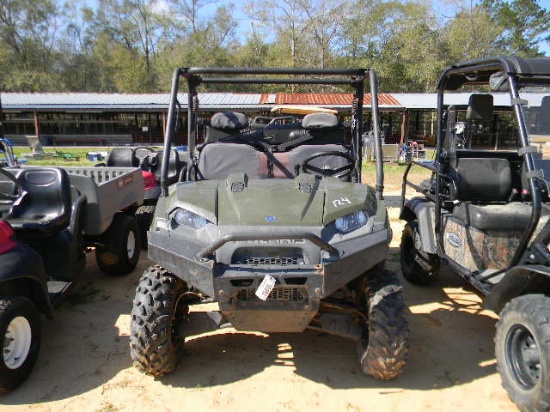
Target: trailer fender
423, 211
518, 281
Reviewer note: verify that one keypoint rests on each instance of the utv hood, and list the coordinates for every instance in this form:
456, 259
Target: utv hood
304, 201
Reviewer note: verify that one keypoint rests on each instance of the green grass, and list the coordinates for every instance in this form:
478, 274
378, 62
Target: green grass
55, 161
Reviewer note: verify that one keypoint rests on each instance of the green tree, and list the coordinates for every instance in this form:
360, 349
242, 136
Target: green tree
525, 25
28, 35
402, 41
212, 42
471, 35
127, 34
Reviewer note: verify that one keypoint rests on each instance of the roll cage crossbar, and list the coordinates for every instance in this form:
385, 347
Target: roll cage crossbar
354, 78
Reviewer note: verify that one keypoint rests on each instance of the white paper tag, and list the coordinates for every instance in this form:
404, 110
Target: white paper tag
265, 288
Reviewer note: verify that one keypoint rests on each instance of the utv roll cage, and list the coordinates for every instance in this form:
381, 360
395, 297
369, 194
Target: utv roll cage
507, 73
354, 78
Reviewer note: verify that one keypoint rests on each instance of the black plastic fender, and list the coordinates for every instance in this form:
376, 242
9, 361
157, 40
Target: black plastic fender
518, 281
423, 211
22, 273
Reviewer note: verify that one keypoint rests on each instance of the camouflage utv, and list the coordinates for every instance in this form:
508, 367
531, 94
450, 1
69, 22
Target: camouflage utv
277, 228
485, 211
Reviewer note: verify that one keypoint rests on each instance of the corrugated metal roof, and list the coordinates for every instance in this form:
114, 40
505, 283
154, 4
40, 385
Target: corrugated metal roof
116, 101
243, 101
334, 99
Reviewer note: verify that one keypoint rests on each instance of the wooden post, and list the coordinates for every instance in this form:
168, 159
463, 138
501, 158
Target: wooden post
36, 124
404, 124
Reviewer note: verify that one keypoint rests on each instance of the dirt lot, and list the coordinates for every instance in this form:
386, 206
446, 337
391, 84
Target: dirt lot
84, 364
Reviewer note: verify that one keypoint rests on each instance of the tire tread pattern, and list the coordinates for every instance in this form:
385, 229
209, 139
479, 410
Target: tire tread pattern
152, 346
387, 347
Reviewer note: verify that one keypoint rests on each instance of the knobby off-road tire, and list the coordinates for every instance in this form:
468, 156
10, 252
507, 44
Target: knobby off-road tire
418, 267
144, 218
20, 340
120, 253
384, 349
522, 349
159, 314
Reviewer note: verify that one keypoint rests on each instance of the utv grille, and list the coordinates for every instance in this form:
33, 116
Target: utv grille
266, 260
281, 293
273, 260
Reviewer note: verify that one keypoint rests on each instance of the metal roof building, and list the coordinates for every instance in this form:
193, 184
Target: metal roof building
120, 118
159, 101
154, 102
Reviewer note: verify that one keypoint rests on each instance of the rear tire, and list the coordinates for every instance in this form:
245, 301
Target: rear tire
522, 349
159, 313
418, 267
20, 340
120, 253
384, 349
144, 218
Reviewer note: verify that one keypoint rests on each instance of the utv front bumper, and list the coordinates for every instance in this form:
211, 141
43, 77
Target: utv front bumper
305, 267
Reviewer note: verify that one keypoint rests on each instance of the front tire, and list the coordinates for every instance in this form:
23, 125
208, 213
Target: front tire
119, 254
20, 333
522, 349
159, 314
384, 349
418, 267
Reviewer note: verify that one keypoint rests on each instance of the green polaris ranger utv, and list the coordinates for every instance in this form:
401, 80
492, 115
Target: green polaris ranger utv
276, 228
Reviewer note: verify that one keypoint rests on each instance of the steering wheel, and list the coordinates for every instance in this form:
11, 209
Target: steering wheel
8, 198
338, 172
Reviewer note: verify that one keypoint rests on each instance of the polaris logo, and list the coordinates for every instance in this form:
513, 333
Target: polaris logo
454, 240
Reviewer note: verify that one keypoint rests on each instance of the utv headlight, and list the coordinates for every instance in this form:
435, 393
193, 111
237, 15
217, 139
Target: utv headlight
351, 221
187, 218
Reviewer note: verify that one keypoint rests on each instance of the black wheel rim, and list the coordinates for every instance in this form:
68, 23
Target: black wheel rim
523, 356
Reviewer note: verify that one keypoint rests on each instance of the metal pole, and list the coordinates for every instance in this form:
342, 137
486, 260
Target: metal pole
376, 129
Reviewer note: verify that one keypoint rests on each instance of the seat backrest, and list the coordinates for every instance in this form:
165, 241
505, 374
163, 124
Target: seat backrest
482, 179
317, 129
301, 153
479, 117
46, 207
122, 157
225, 124
480, 107
174, 165
219, 160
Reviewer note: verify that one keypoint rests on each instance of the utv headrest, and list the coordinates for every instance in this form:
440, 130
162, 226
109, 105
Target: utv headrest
319, 121
480, 107
229, 121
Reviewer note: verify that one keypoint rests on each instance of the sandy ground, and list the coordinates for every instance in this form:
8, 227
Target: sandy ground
84, 363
